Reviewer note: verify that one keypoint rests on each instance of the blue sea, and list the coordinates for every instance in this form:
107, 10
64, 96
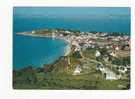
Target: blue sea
36, 51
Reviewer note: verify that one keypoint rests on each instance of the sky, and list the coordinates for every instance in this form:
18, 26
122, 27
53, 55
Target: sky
70, 11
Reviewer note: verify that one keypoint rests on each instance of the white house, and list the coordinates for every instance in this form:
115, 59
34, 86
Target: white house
122, 69
111, 76
97, 53
77, 70
33, 32
67, 32
113, 54
117, 48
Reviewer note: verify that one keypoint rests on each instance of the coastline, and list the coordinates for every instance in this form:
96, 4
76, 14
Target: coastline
68, 40
80, 61
67, 48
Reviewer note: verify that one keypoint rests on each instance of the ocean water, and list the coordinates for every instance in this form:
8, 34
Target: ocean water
36, 51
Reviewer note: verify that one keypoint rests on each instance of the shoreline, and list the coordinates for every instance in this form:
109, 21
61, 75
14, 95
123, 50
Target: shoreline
90, 57
67, 48
74, 38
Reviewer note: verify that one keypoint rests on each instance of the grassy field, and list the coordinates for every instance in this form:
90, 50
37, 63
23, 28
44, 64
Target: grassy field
66, 81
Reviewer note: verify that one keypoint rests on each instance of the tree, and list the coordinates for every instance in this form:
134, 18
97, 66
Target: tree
77, 54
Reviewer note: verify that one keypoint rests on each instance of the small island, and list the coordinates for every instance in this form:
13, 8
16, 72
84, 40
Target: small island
92, 60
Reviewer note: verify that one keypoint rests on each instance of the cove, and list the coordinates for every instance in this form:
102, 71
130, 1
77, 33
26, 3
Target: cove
36, 51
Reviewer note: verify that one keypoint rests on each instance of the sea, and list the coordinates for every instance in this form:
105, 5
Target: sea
36, 51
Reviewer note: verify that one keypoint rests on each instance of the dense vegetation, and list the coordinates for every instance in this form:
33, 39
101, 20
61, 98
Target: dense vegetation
122, 61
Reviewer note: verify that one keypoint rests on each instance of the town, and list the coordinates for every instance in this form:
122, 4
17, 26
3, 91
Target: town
95, 57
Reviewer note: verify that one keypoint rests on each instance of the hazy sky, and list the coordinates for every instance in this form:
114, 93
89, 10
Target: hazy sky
70, 11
